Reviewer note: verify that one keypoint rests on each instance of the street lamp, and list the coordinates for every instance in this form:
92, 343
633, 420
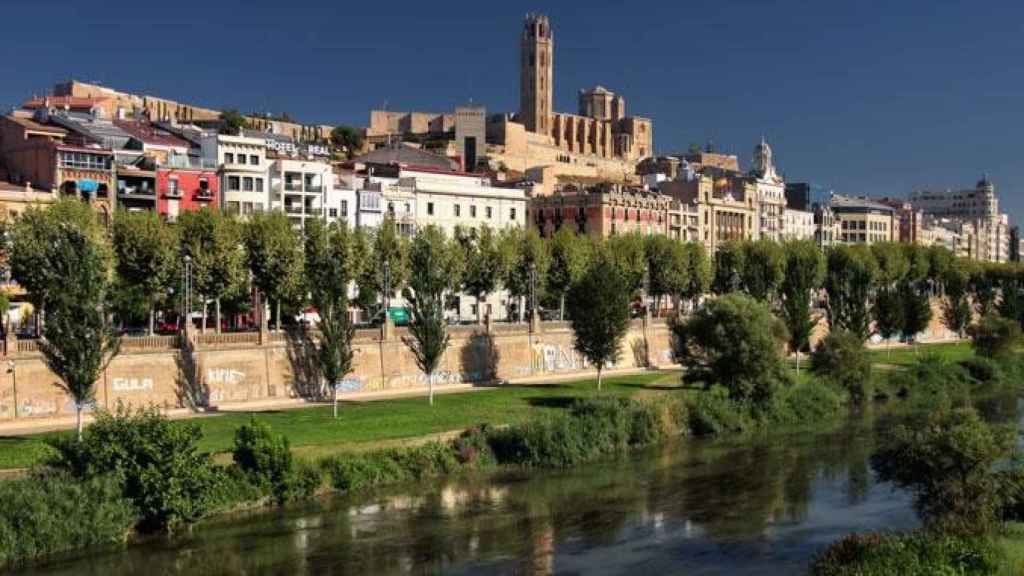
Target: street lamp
387, 287
12, 368
533, 289
186, 292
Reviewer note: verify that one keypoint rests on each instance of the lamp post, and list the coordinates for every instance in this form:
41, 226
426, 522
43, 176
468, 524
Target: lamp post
533, 289
186, 295
12, 368
387, 288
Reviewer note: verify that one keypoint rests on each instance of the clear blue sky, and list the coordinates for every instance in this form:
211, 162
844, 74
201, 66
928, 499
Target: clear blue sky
866, 97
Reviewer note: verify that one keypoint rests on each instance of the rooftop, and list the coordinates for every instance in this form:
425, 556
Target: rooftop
150, 134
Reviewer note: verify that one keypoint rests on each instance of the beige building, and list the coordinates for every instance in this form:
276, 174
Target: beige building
771, 193
606, 210
726, 206
798, 225
978, 210
242, 166
863, 221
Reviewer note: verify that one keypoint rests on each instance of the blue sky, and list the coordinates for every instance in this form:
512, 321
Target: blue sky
865, 97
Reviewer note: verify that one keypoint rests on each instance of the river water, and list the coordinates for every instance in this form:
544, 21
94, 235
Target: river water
761, 506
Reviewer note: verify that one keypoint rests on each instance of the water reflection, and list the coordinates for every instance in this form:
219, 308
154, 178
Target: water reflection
761, 507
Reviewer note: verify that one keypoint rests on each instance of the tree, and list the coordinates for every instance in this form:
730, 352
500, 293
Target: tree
763, 270
232, 122
956, 304
841, 359
599, 312
698, 272
949, 463
30, 248
348, 139
431, 270
849, 277
77, 342
984, 285
529, 267
274, 254
735, 341
627, 252
388, 253
667, 267
146, 256
332, 261
916, 307
483, 266
570, 254
213, 243
729, 268
889, 316
995, 337
804, 272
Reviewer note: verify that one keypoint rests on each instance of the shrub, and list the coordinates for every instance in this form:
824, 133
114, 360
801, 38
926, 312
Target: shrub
811, 402
734, 341
359, 471
471, 447
714, 413
267, 459
995, 336
915, 554
932, 381
983, 370
841, 359
947, 463
48, 514
156, 461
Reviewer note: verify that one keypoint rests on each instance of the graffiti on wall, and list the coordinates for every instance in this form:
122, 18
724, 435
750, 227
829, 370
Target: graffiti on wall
224, 376
132, 384
556, 358
350, 384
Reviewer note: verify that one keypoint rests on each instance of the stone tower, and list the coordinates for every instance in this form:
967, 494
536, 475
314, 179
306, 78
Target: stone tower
535, 74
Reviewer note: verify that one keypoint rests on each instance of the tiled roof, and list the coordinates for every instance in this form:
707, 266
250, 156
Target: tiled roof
152, 135
30, 124
842, 201
406, 155
72, 102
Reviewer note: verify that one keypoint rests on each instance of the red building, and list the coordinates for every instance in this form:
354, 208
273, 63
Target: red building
185, 184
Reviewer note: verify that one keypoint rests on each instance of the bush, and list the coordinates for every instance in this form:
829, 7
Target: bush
915, 554
995, 336
932, 381
983, 370
737, 342
714, 413
471, 447
947, 463
156, 462
49, 514
808, 403
841, 359
267, 459
359, 471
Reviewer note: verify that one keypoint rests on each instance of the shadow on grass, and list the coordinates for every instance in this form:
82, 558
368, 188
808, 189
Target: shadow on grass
552, 402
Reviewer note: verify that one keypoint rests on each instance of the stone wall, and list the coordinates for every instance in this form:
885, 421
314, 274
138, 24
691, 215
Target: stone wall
234, 368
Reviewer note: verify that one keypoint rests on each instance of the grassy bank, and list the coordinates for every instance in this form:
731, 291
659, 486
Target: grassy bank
364, 425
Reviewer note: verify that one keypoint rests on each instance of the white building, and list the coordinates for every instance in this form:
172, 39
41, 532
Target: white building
242, 166
798, 225
450, 200
299, 187
978, 208
771, 193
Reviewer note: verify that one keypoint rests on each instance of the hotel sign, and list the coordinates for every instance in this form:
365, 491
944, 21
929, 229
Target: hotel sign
290, 149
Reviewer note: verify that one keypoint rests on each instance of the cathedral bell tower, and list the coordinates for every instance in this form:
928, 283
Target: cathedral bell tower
535, 74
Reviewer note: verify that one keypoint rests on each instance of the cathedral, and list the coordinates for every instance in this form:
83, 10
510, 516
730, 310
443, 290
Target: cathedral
600, 128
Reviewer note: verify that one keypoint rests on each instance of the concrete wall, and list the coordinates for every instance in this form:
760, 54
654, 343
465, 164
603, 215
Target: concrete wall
234, 368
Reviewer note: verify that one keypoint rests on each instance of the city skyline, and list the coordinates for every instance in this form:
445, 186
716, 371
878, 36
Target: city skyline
865, 102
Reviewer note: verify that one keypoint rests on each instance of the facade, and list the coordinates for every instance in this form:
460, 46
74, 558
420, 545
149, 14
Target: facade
185, 183
242, 168
471, 135
450, 200
826, 226
770, 191
798, 225
978, 207
607, 210
726, 204
863, 221
299, 187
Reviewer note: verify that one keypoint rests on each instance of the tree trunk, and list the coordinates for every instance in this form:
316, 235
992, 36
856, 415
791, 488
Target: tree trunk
430, 384
204, 314
522, 309
78, 420
277, 318
152, 318
480, 310
335, 388
797, 361
561, 307
598, 377
216, 304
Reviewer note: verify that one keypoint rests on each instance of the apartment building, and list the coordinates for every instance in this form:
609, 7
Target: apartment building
242, 169
299, 187
977, 207
863, 221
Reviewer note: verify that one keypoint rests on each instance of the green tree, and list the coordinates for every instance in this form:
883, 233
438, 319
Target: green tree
599, 312
388, 252
483, 266
729, 268
849, 277
273, 251
995, 337
841, 359
347, 138
804, 272
917, 309
956, 303
698, 272
232, 121
667, 267
78, 342
332, 261
889, 315
528, 268
570, 255
146, 256
431, 269
763, 270
985, 286
212, 241
627, 252
735, 341
893, 265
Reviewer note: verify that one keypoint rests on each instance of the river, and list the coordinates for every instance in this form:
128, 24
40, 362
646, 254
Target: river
754, 506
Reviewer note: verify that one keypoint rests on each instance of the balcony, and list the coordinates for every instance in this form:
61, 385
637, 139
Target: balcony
204, 194
173, 193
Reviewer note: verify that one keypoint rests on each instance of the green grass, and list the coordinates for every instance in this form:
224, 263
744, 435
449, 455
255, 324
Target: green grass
362, 425
905, 355
1011, 541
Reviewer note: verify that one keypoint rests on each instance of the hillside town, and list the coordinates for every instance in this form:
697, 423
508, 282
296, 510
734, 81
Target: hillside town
595, 170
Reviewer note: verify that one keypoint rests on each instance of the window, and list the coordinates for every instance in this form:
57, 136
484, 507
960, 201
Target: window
233, 207
408, 208
233, 183
333, 212
172, 187
247, 184
430, 208
241, 158
472, 211
391, 208
457, 210
204, 185
344, 208
512, 213
489, 212
229, 158
259, 184
254, 160
84, 160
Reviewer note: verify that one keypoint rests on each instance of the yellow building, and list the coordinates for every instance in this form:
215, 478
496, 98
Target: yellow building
863, 221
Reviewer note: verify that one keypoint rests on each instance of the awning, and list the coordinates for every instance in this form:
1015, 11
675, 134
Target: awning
86, 185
